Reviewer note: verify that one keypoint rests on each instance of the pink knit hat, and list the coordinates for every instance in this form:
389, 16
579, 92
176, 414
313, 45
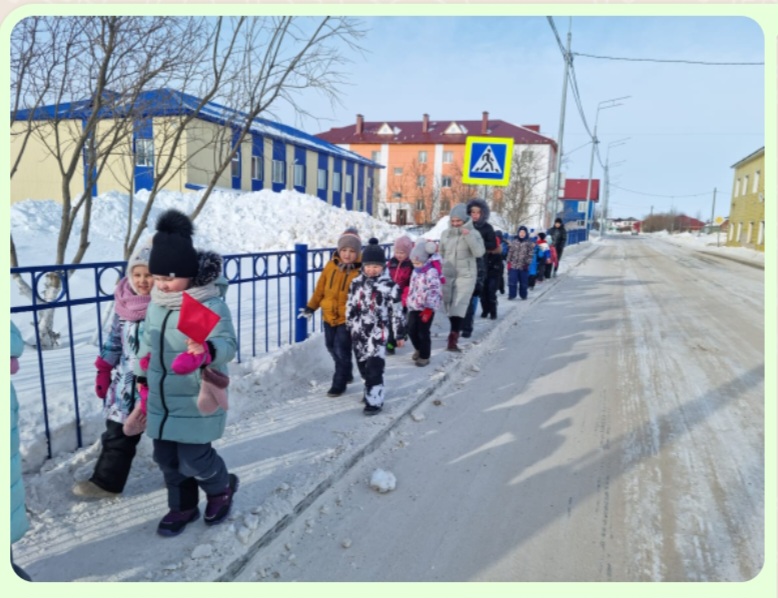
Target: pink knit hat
403, 244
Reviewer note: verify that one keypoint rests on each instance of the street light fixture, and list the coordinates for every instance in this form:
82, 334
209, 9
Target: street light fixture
604, 105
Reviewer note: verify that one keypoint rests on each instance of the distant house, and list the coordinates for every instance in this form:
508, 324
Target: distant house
272, 156
574, 198
424, 162
685, 223
746, 215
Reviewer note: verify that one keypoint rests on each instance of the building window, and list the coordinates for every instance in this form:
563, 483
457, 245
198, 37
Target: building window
375, 156
349, 183
299, 175
336, 178
745, 184
448, 157
445, 205
321, 182
755, 187
445, 182
422, 157
421, 181
278, 171
235, 165
397, 195
737, 186
420, 205
144, 152
369, 181
760, 239
398, 172
359, 205
750, 235
256, 168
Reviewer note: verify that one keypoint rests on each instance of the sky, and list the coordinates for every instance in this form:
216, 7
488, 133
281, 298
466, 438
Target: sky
276, 399
685, 124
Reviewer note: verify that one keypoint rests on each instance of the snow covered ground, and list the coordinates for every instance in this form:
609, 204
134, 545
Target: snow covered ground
283, 433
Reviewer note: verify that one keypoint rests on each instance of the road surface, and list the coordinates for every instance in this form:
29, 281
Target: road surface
615, 432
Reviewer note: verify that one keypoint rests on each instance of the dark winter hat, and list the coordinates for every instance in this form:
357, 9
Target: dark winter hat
373, 254
423, 250
172, 252
459, 211
523, 228
559, 220
350, 238
542, 236
403, 244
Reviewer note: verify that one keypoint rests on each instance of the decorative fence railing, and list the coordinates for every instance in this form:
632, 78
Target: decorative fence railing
266, 292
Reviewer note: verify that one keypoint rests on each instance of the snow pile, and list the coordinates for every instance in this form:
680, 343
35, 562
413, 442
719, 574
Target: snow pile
230, 222
710, 242
383, 481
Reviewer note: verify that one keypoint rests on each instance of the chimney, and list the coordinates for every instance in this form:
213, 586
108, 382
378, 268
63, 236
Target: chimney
360, 124
484, 123
425, 124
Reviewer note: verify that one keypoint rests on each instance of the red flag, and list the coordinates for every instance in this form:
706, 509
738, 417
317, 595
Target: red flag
196, 321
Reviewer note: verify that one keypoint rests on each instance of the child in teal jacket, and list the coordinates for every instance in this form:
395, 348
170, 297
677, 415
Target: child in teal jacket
181, 432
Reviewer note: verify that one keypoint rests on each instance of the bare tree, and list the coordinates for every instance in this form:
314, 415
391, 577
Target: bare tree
109, 61
521, 200
281, 56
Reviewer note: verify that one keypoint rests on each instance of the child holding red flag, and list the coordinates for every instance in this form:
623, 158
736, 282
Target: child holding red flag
176, 367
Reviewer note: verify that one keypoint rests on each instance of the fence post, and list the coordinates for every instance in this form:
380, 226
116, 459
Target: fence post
300, 290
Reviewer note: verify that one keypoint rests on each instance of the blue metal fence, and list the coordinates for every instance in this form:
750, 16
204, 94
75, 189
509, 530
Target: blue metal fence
269, 290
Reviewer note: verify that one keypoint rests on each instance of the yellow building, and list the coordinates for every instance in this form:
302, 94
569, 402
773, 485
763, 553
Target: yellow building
272, 156
746, 214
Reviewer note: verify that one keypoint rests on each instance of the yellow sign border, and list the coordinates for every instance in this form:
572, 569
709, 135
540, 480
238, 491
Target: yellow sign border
506, 171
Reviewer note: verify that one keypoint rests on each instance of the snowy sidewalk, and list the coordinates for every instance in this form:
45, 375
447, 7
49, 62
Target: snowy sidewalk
286, 440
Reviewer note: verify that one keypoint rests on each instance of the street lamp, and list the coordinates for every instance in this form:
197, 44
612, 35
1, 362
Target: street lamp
606, 178
604, 105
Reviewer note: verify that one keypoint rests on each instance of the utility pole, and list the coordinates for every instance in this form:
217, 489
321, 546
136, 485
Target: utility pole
713, 208
568, 60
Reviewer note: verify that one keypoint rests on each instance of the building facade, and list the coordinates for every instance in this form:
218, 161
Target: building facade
573, 198
746, 226
424, 164
272, 155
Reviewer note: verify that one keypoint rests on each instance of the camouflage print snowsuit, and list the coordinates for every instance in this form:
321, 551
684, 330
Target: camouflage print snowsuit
373, 304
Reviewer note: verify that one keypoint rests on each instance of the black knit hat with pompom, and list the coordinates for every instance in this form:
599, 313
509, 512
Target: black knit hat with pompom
373, 253
172, 251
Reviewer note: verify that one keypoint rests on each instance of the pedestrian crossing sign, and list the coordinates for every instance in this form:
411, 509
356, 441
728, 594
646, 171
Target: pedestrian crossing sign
487, 161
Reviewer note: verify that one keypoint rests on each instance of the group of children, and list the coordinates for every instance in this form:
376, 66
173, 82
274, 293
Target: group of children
371, 305
153, 378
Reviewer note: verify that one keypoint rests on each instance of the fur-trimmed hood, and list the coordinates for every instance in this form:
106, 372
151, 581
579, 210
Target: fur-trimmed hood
485, 211
209, 268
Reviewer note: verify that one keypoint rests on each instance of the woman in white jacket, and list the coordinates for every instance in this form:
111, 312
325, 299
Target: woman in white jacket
460, 245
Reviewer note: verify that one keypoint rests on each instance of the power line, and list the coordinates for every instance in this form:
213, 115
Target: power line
556, 34
657, 195
701, 62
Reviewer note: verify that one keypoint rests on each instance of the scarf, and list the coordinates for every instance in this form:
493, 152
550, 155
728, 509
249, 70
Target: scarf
129, 305
173, 299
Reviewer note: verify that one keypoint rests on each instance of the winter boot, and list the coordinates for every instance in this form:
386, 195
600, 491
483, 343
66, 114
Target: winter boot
415, 356
174, 522
453, 337
219, 504
371, 409
421, 362
88, 489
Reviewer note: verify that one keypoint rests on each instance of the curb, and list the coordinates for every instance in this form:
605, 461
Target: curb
745, 262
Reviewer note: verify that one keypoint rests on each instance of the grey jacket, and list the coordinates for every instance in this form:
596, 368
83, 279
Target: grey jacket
459, 252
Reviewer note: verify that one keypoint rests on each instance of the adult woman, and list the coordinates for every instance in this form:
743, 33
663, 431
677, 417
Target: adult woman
460, 246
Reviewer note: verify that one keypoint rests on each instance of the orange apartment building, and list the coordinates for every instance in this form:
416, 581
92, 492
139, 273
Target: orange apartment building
424, 160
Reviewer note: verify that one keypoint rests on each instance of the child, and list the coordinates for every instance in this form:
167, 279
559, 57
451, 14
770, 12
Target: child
331, 294
400, 269
19, 521
520, 257
543, 256
373, 303
182, 435
115, 382
424, 298
553, 263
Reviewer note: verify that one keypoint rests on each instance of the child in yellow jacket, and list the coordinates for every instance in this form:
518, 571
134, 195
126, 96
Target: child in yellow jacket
330, 295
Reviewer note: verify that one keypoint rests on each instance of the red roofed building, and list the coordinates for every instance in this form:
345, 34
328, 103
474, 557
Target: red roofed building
424, 160
574, 201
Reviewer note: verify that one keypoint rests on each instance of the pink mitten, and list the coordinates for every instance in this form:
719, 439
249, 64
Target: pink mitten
14, 365
103, 378
213, 391
136, 421
186, 363
143, 362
